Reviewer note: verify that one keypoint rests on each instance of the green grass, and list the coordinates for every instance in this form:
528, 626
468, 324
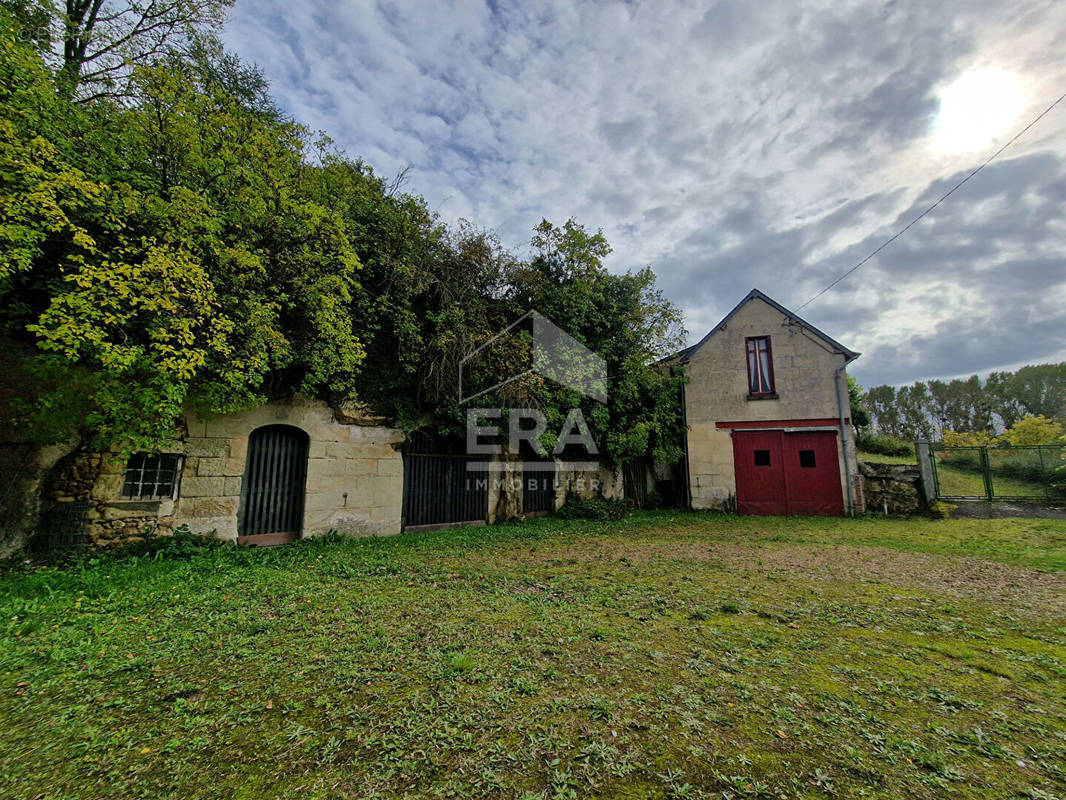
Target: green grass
670, 655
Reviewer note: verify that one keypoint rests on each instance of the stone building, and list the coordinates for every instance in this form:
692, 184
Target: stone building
279, 472
268, 475
766, 404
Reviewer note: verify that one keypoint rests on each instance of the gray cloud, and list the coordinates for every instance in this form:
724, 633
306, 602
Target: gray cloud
728, 144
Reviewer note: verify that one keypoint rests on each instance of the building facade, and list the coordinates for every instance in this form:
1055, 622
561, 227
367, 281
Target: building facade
766, 406
274, 474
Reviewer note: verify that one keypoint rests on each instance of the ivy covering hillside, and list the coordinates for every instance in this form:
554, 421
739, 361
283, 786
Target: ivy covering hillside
169, 239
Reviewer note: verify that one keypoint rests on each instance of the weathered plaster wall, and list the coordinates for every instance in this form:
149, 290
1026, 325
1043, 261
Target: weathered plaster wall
354, 472
718, 392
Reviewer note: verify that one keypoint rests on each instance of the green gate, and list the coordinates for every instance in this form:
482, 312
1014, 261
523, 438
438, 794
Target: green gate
1033, 473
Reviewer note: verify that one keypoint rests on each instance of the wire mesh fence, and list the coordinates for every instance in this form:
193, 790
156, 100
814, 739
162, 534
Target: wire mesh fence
1035, 473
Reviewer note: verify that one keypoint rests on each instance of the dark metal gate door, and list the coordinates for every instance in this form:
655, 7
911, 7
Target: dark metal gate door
438, 489
538, 486
635, 482
272, 493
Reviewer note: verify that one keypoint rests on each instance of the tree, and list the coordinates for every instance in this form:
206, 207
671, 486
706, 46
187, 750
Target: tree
192, 269
104, 41
1041, 389
624, 319
881, 401
860, 414
913, 403
1032, 430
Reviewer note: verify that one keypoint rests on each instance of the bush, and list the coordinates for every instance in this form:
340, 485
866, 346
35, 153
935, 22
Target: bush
967, 439
181, 544
597, 508
885, 445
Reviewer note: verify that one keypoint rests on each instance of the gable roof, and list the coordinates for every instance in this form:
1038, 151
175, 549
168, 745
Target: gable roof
688, 352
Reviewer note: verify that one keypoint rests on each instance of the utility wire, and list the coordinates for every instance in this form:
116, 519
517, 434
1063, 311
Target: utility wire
942, 198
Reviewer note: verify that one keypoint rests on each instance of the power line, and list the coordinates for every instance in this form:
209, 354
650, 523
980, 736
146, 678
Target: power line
942, 198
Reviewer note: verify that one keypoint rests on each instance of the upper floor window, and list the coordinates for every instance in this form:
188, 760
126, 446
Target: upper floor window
760, 366
151, 476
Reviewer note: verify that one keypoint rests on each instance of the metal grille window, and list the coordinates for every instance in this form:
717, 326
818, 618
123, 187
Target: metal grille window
151, 476
760, 366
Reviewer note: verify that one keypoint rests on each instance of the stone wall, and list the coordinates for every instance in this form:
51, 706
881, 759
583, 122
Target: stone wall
895, 489
354, 479
505, 488
24, 468
717, 391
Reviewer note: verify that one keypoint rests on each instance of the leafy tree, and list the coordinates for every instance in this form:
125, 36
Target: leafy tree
1041, 389
622, 318
194, 269
192, 248
1033, 429
104, 41
881, 401
860, 414
913, 402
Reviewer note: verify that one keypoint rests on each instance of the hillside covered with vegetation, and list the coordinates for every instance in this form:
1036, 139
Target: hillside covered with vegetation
170, 238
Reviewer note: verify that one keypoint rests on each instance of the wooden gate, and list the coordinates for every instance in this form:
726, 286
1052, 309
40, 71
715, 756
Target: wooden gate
438, 489
272, 493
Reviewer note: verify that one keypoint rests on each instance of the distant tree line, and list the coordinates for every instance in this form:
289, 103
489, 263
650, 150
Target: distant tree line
929, 409
171, 240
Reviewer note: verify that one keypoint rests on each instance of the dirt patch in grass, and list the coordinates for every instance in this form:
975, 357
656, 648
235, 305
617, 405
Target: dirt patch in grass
1015, 588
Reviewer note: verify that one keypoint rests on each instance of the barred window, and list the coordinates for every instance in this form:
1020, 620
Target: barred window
151, 476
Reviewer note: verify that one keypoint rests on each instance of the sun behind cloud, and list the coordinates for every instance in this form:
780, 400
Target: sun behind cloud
976, 109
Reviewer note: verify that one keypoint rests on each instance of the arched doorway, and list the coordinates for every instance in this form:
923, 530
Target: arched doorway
272, 492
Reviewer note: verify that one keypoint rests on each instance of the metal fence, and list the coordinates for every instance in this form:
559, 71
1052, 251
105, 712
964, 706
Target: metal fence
1035, 473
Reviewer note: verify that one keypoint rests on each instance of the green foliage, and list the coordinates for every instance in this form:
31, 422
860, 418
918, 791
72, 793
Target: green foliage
192, 249
967, 439
927, 410
622, 318
884, 445
860, 414
1033, 429
193, 270
595, 508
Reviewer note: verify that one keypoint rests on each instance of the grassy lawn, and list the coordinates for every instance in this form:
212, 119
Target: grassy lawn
670, 655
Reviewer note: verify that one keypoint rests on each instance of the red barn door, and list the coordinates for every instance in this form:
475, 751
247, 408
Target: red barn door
812, 474
779, 473
760, 473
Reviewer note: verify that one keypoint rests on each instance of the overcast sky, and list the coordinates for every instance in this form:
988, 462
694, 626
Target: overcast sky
728, 145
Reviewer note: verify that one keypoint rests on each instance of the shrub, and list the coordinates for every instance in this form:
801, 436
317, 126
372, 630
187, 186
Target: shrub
596, 508
179, 545
885, 445
967, 439
1033, 430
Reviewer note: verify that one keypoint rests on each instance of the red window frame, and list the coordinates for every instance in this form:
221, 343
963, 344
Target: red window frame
752, 345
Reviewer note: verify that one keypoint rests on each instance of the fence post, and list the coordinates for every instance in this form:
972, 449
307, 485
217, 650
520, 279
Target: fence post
925, 468
986, 473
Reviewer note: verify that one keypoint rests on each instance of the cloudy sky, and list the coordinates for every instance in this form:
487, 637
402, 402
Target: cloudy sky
728, 145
